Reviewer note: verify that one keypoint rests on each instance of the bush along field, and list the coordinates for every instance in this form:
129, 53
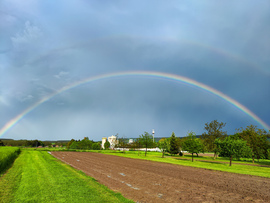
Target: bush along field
7, 157
36, 176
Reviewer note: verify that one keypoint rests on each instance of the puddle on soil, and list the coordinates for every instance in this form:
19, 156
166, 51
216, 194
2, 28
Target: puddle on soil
78, 160
129, 185
122, 174
156, 184
160, 195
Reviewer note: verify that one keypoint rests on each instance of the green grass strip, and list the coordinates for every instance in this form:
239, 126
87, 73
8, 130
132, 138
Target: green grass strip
36, 176
254, 169
7, 157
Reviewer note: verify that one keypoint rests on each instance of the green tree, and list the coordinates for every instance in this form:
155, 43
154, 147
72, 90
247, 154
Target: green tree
256, 140
122, 142
193, 144
214, 131
74, 145
85, 143
146, 140
138, 145
69, 143
48, 143
233, 148
32, 143
174, 148
1, 143
96, 146
163, 145
107, 144
11, 142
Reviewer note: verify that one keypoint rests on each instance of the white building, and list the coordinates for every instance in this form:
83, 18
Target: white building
104, 139
113, 141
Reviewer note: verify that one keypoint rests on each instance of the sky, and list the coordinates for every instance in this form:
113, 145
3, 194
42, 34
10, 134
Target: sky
51, 51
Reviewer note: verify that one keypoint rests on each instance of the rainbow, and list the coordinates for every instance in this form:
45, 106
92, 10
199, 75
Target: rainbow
159, 75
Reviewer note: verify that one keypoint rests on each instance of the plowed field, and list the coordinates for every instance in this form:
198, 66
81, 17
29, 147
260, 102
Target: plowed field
147, 181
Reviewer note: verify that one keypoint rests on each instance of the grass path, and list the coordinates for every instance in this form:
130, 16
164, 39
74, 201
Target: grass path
36, 176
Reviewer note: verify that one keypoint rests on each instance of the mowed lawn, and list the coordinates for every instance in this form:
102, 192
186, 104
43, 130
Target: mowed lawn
36, 176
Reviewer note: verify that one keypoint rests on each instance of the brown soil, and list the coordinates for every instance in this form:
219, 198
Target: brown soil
147, 181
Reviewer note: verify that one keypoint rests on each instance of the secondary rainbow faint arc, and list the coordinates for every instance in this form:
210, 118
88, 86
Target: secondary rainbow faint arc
162, 75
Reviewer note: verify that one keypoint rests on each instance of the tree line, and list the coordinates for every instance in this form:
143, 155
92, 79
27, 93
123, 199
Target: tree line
250, 142
30, 143
84, 144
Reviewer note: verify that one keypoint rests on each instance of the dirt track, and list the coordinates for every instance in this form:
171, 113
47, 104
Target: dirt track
146, 181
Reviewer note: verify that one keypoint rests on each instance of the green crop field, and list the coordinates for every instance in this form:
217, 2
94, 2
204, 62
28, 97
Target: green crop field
36, 176
220, 164
7, 157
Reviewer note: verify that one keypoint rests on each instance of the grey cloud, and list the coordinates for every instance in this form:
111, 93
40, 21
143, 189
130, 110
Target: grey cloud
27, 36
60, 74
49, 45
24, 98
